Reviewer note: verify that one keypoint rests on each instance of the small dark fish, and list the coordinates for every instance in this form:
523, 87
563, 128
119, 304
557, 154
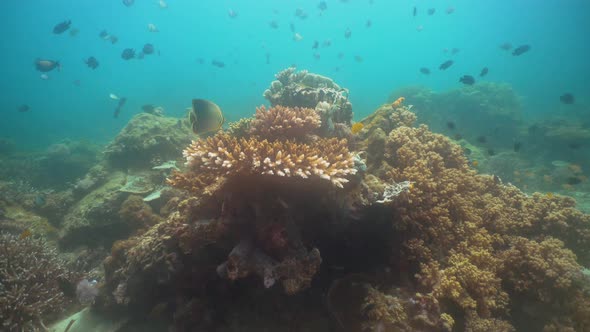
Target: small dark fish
347, 33
23, 108
446, 64
567, 98
322, 6
467, 151
267, 56
340, 55
358, 58
506, 46
425, 71
450, 10
315, 45
91, 62
114, 39
201, 61
148, 49
148, 108
120, 105
292, 27
103, 34
573, 180
47, 65
451, 125
217, 63
458, 137
517, 146
574, 145
482, 139
431, 11
327, 43
491, 152
316, 56
205, 117
62, 27
455, 50
74, 32
483, 72
128, 3
369, 23
141, 55
128, 54
232, 13
274, 24
521, 50
299, 12
467, 79
415, 11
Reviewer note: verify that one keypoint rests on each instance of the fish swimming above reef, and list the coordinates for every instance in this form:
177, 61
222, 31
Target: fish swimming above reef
128, 3
322, 6
74, 32
205, 117
356, 128
483, 72
148, 49
425, 71
445, 65
567, 98
128, 54
521, 50
218, 63
91, 62
62, 27
44, 65
347, 33
414, 11
120, 105
23, 108
505, 46
467, 79
431, 11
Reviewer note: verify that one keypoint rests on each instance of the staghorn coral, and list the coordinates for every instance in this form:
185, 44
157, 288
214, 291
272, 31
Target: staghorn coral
223, 155
32, 281
284, 122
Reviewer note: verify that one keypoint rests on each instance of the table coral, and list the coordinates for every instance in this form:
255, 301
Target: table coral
224, 155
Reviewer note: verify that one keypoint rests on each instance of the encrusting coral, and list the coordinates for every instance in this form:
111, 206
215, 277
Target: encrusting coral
32, 284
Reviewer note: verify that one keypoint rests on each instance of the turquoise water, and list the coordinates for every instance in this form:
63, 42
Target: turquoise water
392, 51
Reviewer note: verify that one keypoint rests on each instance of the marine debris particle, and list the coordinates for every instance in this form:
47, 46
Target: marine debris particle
136, 185
393, 190
154, 195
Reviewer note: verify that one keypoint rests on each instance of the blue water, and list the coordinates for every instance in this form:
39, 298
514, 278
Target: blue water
392, 50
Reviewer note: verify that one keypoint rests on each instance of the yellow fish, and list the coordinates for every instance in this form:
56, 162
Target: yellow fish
205, 117
549, 195
357, 127
25, 234
475, 163
398, 102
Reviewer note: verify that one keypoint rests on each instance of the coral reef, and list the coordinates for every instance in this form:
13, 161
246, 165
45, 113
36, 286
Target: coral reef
395, 225
33, 284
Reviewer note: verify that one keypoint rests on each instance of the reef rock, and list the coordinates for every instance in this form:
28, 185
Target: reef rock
147, 141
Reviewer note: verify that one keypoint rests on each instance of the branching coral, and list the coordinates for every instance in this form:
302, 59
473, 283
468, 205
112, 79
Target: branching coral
284, 122
223, 155
32, 281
